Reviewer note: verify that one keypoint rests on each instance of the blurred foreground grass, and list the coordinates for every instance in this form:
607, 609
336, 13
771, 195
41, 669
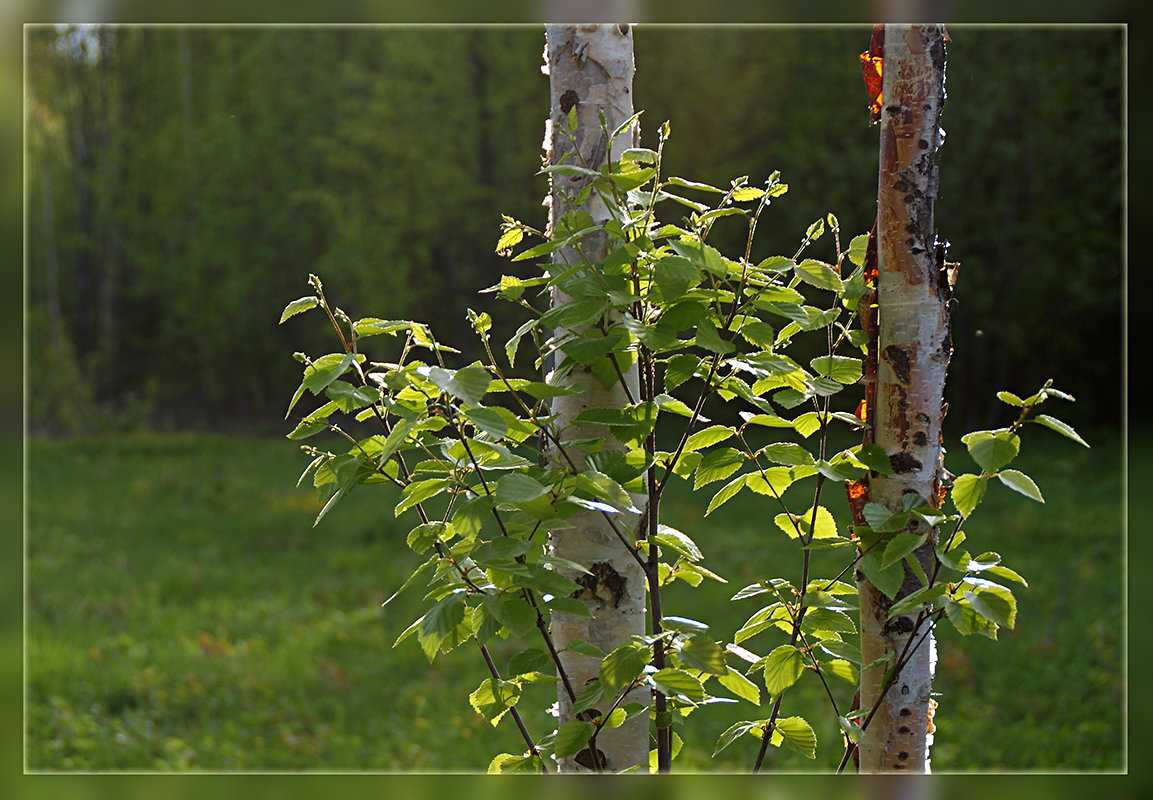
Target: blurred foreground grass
183, 615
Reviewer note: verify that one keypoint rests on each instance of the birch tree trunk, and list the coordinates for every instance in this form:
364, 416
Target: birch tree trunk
590, 69
913, 351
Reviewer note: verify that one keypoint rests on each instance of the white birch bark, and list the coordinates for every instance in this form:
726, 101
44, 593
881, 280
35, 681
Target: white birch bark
591, 67
913, 351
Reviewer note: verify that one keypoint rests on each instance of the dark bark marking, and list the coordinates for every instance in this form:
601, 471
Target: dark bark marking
898, 627
586, 759
904, 462
568, 100
604, 584
899, 360
920, 439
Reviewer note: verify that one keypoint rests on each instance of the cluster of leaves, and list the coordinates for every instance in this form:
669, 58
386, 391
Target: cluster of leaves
488, 472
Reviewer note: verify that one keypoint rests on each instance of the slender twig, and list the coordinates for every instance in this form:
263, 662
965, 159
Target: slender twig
512, 710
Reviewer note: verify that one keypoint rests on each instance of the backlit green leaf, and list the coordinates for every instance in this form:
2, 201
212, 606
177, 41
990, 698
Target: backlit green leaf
741, 686
782, 668
1062, 428
298, 306
1020, 482
727, 492
798, 735
992, 449
624, 664
819, 274
967, 492
677, 682
493, 698
572, 737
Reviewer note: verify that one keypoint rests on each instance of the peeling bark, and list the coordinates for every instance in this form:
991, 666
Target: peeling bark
591, 69
914, 347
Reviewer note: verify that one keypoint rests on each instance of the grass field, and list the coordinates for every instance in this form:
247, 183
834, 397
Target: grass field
182, 614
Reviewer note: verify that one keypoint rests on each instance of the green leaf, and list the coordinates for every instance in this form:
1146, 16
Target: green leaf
445, 615
710, 339
900, 546
507, 762
509, 238
747, 193
419, 491
298, 306
513, 344
966, 620
717, 465
349, 398
572, 737
307, 428
991, 600
1010, 399
677, 682
741, 686
469, 384
858, 247
675, 275
424, 536
701, 652
326, 369
679, 369
788, 454
758, 333
518, 488
489, 420
875, 458
1062, 428
967, 492
842, 650
585, 649
992, 449
1020, 482
708, 437
678, 542
926, 594
807, 424
736, 731
882, 520
842, 369
798, 735
513, 612
819, 274
575, 314
603, 487
886, 579
773, 481
493, 698
727, 492
371, 326
624, 664
531, 660
782, 668
826, 525
687, 184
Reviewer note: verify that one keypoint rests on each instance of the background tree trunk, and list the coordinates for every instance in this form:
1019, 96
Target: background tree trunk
591, 68
913, 354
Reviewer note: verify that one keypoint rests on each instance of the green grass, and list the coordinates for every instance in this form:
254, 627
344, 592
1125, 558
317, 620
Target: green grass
182, 614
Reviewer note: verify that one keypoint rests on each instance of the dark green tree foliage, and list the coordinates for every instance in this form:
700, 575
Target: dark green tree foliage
180, 180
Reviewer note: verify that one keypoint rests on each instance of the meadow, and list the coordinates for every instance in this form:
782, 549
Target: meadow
182, 614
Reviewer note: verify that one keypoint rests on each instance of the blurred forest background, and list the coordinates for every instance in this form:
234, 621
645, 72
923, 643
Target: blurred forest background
183, 181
